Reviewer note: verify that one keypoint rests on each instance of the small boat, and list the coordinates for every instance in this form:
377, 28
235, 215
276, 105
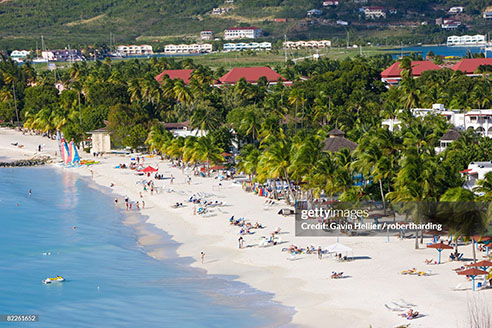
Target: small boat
56, 279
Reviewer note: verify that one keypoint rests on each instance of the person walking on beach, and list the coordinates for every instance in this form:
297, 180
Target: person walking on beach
203, 256
194, 210
241, 241
172, 179
320, 253
143, 204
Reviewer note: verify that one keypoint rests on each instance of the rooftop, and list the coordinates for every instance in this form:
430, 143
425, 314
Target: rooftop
182, 74
469, 66
250, 74
418, 67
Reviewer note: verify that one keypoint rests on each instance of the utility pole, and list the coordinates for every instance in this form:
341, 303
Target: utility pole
285, 48
15, 104
348, 39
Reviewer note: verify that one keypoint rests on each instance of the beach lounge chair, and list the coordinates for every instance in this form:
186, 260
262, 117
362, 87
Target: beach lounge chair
395, 309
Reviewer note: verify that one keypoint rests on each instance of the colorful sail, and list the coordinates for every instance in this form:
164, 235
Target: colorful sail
74, 154
65, 152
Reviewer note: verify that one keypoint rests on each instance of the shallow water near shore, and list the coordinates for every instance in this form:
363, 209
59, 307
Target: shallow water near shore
119, 270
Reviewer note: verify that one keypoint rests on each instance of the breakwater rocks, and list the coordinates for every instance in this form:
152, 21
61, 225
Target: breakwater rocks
25, 162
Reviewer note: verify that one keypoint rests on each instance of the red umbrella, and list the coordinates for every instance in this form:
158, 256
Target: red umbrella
149, 169
482, 238
217, 167
482, 264
439, 246
472, 273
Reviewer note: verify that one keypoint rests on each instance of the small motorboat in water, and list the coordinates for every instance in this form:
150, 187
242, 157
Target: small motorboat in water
56, 279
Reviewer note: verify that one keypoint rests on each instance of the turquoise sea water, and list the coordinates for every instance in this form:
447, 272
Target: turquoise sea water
437, 50
111, 281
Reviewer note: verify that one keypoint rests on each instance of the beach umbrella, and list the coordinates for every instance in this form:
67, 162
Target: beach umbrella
482, 264
439, 246
149, 169
472, 273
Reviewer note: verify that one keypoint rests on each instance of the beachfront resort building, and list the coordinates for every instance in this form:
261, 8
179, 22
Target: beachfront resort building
466, 40
100, 141
373, 12
207, 35
195, 48
234, 33
247, 46
181, 74
134, 50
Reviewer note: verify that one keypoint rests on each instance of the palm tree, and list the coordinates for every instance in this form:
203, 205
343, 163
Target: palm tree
484, 187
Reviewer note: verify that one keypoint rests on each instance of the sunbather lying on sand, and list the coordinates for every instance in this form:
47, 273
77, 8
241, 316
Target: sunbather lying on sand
411, 314
335, 275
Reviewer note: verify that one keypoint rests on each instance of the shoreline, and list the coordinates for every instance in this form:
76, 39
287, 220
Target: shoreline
304, 283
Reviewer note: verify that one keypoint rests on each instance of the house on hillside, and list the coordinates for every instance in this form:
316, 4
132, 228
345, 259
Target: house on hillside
456, 10
487, 14
330, 3
450, 24
314, 12
242, 33
373, 12
392, 75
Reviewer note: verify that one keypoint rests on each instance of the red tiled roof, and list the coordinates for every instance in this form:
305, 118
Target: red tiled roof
417, 68
469, 66
250, 74
183, 74
243, 28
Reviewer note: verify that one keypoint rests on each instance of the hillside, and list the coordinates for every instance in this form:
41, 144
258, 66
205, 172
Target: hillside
77, 23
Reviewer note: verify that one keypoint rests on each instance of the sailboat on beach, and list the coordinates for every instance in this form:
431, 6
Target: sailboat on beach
74, 154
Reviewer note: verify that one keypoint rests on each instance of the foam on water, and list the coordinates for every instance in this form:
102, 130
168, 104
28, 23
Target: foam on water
111, 281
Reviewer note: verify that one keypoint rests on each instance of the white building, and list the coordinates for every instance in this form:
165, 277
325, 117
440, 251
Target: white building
101, 141
242, 33
467, 40
247, 46
456, 10
373, 12
207, 35
487, 14
475, 171
19, 55
195, 48
132, 50
307, 44
221, 10
479, 120
450, 24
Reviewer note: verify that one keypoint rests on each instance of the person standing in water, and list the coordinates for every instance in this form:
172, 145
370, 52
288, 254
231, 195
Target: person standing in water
30, 193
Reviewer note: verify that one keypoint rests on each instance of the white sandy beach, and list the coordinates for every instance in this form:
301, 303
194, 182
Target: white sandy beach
357, 301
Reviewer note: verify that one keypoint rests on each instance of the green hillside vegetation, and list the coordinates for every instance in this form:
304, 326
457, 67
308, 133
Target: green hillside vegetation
79, 23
